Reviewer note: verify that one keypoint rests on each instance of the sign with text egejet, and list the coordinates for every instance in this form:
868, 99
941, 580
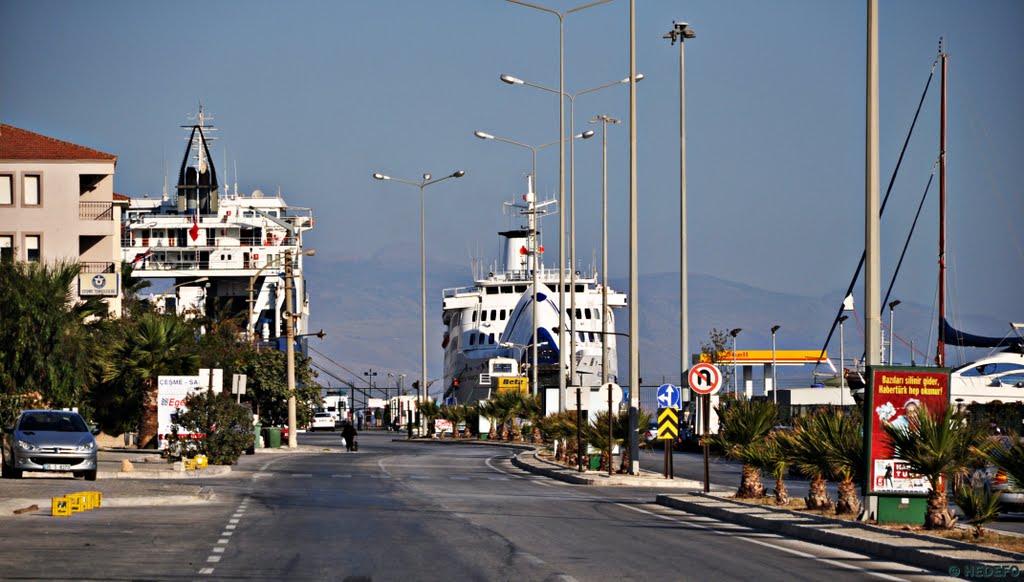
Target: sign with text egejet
896, 398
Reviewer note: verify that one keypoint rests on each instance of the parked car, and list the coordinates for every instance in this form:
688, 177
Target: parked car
49, 440
1011, 497
322, 421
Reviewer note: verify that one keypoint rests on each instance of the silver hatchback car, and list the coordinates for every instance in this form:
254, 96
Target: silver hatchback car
49, 440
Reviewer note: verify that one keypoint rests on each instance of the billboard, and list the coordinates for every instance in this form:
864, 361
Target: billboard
895, 397
171, 394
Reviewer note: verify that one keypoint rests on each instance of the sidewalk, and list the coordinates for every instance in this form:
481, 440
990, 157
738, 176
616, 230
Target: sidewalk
904, 547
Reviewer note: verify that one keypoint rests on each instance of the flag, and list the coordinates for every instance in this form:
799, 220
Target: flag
141, 256
848, 303
194, 231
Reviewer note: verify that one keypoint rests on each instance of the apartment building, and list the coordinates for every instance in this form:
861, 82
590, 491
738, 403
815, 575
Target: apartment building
57, 202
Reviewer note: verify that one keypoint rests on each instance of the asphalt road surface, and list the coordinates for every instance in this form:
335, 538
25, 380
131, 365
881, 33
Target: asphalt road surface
402, 511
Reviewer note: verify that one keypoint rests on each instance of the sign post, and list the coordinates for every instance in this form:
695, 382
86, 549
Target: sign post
705, 379
613, 392
669, 400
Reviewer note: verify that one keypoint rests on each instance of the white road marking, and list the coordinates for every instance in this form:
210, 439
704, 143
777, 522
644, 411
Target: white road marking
342, 476
206, 571
223, 541
230, 526
235, 521
227, 533
455, 478
219, 550
213, 559
302, 475
770, 545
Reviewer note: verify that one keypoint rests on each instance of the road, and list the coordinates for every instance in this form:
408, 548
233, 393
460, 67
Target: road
403, 511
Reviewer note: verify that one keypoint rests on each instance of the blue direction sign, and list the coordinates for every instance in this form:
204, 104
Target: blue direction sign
669, 396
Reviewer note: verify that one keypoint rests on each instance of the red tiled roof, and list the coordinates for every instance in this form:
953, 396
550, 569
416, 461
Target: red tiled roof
21, 144
120, 196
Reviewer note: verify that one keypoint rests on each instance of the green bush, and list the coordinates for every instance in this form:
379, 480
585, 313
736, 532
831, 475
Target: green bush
226, 427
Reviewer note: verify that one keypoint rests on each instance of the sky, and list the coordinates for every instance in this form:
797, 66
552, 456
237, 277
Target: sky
312, 97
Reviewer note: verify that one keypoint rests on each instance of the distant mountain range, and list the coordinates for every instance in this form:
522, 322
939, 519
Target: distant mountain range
370, 309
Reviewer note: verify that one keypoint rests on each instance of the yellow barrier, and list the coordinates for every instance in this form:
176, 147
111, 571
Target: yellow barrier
202, 462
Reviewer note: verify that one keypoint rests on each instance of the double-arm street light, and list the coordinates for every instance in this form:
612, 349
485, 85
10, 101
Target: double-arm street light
561, 178
420, 397
511, 80
533, 231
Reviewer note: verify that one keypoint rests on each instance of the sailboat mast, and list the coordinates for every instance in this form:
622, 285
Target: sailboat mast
940, 352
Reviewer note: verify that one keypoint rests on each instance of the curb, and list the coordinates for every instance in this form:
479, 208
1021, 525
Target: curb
529, 461
926, 551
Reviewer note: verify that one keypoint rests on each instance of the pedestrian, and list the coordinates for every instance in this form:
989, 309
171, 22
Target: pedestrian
348, 432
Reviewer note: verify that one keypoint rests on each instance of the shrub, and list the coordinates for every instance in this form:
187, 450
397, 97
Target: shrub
226, 429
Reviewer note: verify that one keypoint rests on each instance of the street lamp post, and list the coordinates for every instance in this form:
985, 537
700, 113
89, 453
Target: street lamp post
892, 332
604, 120
681, 31
561, 180
509, 79
421, 393
775, 385
533, 230
735, 375
842, 361
369, 388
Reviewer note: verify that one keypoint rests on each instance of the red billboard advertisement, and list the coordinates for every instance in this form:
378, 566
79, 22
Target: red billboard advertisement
896, 396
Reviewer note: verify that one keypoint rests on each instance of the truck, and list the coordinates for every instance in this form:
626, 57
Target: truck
336, 402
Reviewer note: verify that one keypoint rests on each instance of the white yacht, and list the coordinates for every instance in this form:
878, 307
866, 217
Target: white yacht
998, 376
221, 250
490, 327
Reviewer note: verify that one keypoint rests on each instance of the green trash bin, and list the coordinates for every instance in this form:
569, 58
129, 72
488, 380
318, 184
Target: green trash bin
257, 434
273, 439
595, 462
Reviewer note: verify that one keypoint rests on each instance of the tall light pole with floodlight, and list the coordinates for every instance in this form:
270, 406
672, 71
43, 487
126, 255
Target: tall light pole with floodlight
561, 183
509, 79
534, 251
735, 376
892, 332
775, 385
681, 31
604, 120
422, 392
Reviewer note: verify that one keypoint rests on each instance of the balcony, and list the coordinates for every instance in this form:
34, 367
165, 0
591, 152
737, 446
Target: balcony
96, 211
97, 267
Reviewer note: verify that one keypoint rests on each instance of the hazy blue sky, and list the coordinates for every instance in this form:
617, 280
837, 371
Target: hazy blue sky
313, 97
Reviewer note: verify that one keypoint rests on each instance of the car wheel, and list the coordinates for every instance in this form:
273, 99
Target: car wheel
90, 475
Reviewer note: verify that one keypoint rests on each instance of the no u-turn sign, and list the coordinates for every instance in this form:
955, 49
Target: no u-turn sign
705, 378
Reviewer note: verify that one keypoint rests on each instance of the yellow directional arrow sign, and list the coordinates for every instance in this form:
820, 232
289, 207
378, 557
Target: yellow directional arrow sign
668, 423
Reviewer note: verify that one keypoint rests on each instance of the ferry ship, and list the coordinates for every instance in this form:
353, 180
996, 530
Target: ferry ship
490, 326
221, 250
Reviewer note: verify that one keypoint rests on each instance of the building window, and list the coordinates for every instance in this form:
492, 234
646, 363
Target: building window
6, 247
6, 191
32, 247
30, 192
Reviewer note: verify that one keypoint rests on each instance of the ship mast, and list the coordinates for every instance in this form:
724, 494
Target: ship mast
940, 352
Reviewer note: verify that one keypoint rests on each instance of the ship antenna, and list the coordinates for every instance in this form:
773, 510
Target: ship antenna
236, 178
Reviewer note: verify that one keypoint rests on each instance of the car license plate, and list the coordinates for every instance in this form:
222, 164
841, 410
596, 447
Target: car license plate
56, 467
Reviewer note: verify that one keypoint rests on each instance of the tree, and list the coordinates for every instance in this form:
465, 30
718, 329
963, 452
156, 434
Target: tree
712, 348
843, 435
939, 444
48, 336
155, 345
643, 420
809, 452
744, 423
430, 411
225, 426
771, 455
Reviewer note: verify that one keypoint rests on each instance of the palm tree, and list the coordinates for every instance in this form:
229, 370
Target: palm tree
488, 410
846, 453
561, 428
979, 505
809, 452
507, 406
744, 424
430, 410
533, 410
157, 345
939, 444
596, 435
771, 455
643, 420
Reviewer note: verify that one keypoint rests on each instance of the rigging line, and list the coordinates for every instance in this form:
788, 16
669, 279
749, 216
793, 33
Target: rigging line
881, 210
